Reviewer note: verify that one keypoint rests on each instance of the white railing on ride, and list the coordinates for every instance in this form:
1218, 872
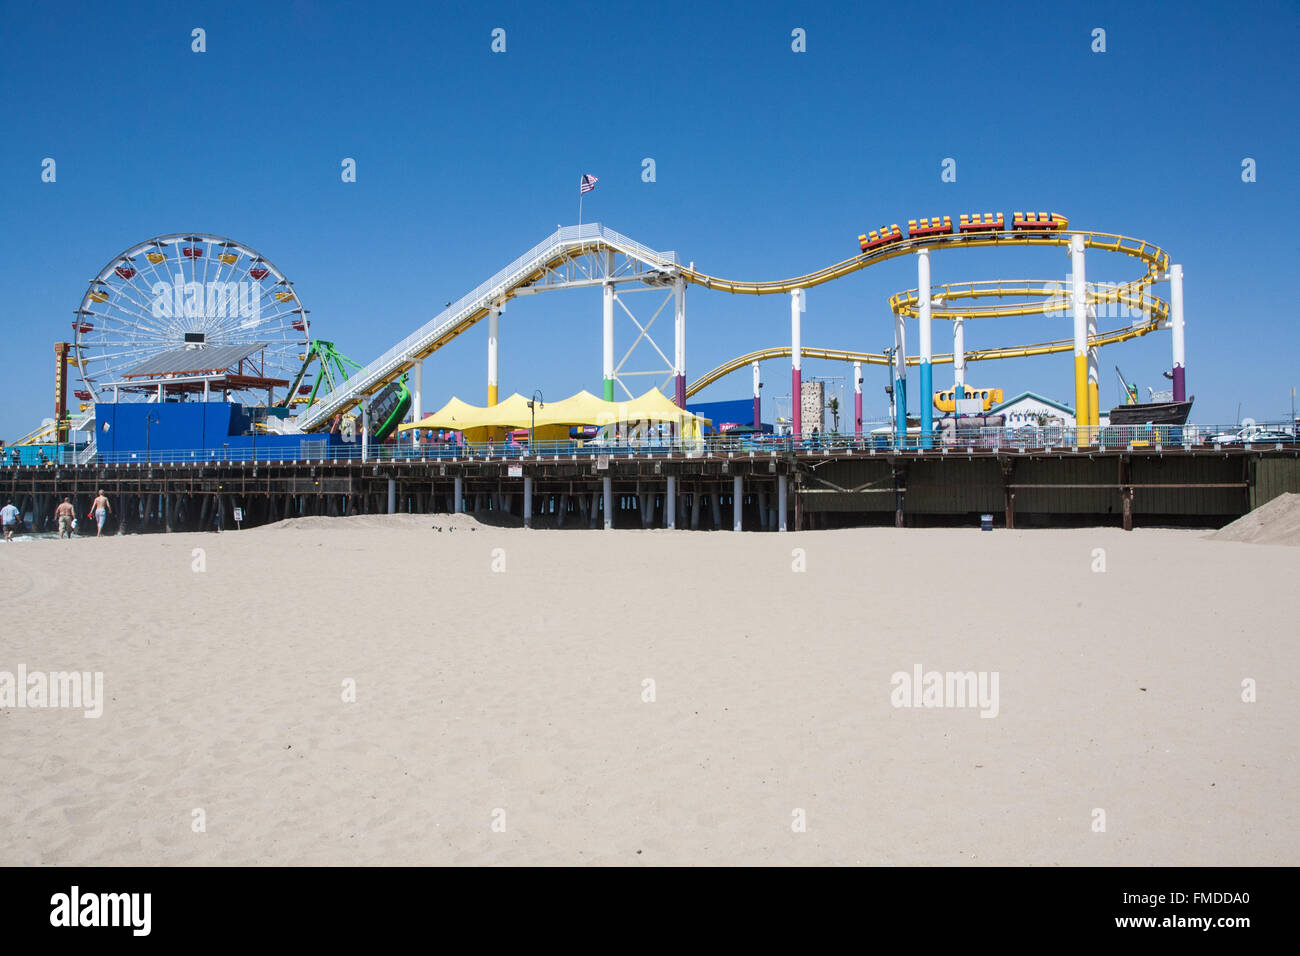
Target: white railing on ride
480, 298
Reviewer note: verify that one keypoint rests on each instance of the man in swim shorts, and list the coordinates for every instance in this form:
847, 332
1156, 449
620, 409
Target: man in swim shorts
100, 509
65, 514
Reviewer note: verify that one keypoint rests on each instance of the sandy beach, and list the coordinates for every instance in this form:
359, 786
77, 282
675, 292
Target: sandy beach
502, 714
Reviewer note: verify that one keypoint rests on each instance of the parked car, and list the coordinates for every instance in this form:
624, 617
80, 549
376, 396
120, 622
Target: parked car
1252, 434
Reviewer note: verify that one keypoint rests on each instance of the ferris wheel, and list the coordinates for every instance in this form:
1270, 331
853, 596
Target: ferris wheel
154, 305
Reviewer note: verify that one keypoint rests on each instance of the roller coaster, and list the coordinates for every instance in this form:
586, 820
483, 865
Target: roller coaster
591, 255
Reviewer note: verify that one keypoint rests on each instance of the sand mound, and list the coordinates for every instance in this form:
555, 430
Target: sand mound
441, 522
1277, 522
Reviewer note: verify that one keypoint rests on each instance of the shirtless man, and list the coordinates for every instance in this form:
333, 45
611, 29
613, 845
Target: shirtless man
100, 509
65, 514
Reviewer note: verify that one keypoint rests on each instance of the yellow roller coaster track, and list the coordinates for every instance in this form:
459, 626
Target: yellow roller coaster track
46, 434
1132, 294
1153, 257
873, 358
562, 247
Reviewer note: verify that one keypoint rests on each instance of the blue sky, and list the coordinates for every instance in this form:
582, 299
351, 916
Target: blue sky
769, 164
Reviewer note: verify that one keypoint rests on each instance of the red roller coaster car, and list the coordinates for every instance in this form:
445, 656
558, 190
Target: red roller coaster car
929, 227
880, 237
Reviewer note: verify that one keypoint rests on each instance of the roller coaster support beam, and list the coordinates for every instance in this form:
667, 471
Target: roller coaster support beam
958, 354
1177, 327
797, 305
365, 431
926, 398
758, 400
494, 339
857, 399
417, 390
679, 332
1079, 309
608, 326
900, 380
1094, 382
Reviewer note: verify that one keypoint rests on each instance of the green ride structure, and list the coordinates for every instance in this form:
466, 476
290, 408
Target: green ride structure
388, 407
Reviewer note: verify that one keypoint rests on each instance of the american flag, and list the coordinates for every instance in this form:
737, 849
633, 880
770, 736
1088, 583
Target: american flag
587, 183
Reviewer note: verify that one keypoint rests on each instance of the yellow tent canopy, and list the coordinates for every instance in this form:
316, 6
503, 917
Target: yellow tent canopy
583, 408
453, 416
580, 409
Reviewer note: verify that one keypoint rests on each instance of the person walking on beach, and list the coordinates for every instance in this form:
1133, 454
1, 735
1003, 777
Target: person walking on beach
100, 509
9, 519
65, 513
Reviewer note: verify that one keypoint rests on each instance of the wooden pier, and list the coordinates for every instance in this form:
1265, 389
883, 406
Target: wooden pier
840, 487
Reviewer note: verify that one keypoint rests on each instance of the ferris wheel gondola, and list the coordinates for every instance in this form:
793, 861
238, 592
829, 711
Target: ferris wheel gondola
188, 291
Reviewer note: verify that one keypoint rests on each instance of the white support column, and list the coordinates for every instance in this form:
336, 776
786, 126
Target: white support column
392, 496
670, 503
782, 490
1094, 377
417, 390
900, 380
459, 507
857, 399
1079, 311
1178, 329
797, 305
679, 332
737, 502
494, 338
958, 354
926, 398
365, 432
528, 501
607, 326
609, 502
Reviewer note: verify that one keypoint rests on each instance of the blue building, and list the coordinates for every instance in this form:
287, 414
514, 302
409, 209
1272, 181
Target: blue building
738, 411
178, 431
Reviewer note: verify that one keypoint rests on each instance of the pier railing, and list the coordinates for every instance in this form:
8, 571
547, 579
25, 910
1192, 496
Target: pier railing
982, 440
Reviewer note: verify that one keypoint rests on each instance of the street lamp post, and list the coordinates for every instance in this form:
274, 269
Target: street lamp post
533, 403
148, 420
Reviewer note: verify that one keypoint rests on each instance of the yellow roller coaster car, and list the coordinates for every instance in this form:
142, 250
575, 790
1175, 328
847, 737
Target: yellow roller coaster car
945, 401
